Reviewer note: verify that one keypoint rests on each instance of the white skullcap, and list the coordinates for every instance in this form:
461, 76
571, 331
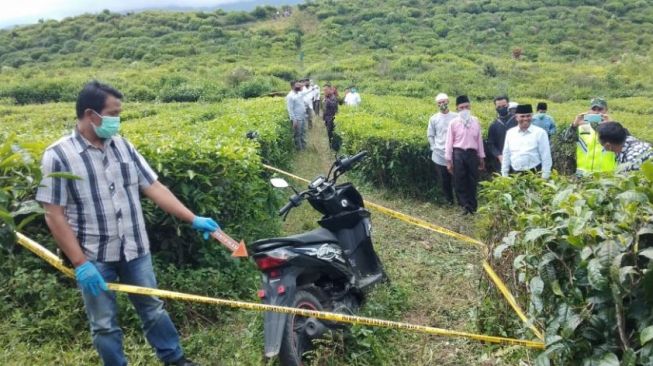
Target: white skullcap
440, 97
512, 105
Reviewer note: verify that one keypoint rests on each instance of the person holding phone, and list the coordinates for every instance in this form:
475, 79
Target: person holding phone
591, 157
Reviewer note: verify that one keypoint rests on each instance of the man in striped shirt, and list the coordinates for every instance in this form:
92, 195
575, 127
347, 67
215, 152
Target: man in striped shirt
97, 221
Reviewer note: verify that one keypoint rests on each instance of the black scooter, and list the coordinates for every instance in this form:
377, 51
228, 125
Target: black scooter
329, 269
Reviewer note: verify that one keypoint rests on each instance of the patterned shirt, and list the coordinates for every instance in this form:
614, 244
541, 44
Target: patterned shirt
103, 206
633, 153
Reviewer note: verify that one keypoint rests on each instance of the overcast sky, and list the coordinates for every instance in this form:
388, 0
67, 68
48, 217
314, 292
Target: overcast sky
30, 11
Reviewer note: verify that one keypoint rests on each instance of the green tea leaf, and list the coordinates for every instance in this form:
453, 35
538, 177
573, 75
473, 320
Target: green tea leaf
647, 169
534, 234
594, 275
646, 335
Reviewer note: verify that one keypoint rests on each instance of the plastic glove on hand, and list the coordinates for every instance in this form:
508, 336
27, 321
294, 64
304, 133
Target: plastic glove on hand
205, 225
90, 279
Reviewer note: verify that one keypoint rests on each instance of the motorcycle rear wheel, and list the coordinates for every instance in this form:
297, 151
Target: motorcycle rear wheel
295, 341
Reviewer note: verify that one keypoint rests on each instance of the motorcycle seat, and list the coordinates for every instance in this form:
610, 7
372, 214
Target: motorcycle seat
317, 236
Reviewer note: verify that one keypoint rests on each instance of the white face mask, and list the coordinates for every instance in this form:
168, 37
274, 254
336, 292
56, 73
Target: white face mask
464, 114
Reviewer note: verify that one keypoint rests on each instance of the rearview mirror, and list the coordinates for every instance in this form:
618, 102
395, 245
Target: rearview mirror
279, 183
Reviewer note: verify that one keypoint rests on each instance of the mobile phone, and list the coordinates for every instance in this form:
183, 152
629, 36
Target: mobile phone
592, 118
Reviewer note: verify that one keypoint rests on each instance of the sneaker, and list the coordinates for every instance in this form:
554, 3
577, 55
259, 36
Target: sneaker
183, 361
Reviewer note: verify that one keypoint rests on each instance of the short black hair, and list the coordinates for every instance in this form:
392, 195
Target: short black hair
612, 132
292, 83
501, 97
94, 96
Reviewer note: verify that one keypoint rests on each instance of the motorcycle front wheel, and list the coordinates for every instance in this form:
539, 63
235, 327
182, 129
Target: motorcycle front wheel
296, 342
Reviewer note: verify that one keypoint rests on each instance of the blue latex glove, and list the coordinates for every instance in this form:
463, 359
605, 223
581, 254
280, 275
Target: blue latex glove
90, 279
205, 225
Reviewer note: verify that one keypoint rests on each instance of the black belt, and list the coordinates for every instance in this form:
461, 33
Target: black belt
537, 169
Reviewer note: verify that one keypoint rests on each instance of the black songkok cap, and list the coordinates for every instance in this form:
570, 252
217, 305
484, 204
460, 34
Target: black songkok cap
524, 109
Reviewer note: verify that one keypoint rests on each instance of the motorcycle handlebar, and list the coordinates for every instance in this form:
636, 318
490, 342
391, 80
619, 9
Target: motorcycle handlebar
295, 200
346, 163
286, 208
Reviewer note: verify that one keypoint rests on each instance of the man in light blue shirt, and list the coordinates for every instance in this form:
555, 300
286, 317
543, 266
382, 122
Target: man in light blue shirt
526, 147
543, 120
297, 114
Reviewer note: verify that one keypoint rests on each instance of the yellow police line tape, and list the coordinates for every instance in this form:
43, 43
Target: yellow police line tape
51, 258
438, 229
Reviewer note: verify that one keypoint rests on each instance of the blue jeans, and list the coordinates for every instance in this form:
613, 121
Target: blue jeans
102, 313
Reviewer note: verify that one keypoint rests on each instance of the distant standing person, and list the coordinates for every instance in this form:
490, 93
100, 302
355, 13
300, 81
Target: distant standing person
330, 110
527, 146
630, 152
512, 107
307, 94
496, 134
464, 154
543, 120
590, 155
316, 98
437, 136
353, 98
297, 113
290, 94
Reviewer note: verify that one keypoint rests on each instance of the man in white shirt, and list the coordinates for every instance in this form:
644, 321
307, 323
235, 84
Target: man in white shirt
526, 147
316, 97
353, 98
437, 136
307, 95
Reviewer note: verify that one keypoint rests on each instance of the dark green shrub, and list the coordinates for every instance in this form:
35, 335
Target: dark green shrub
578, 252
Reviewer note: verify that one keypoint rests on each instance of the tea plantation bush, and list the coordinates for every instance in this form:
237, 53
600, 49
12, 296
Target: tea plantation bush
578, 254
199, 151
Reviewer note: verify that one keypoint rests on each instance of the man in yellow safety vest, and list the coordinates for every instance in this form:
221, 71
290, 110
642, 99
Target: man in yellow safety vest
591, 157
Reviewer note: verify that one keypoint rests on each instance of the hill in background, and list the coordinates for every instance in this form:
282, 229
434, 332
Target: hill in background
553, 49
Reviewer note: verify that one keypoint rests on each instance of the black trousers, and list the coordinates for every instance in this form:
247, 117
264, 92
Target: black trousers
330, 125
465, 177
445, 182
316, 106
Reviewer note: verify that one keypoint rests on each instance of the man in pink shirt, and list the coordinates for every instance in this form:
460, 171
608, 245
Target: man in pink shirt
464, 154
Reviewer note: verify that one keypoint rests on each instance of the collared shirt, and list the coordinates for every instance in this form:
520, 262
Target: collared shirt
464, 137
353, 99
545, 122
437, 135
295, 106
316, 93
633, 153
103, 206
496, 134
307, 95
525, 150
